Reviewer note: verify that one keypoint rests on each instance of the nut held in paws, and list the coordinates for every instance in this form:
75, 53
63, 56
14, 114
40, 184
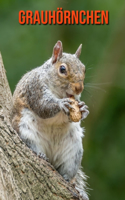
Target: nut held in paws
75, 113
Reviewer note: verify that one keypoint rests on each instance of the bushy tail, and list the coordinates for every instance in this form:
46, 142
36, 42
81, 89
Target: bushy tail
80, 184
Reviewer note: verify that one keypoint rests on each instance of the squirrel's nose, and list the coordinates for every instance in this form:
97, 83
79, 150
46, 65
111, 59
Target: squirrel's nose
77, 87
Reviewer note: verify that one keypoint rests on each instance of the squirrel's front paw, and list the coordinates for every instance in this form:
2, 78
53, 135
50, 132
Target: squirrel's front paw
83, 109
65, 104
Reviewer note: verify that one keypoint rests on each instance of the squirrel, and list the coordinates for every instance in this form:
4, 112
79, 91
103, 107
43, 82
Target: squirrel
41, 113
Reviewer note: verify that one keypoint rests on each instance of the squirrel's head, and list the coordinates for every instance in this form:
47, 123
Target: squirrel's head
68, 72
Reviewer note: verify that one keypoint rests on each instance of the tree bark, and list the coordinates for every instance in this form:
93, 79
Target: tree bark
23, 175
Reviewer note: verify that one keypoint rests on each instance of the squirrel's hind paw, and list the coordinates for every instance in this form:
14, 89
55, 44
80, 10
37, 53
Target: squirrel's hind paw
43, 156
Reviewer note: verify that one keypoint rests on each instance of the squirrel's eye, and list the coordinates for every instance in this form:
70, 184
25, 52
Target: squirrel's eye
62, 69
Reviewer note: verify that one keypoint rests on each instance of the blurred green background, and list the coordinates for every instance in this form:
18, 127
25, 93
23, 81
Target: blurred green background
24, 47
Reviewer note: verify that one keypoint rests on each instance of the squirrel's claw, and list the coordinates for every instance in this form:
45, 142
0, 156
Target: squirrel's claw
43, 156
68, 105
81, 103
65, 105
83, 109
85, 114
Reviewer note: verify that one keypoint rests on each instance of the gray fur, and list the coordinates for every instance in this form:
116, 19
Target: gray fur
41, 114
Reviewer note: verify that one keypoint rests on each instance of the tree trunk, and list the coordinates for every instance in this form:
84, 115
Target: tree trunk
23, 175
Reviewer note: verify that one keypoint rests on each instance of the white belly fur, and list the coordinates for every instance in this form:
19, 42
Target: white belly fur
55, 137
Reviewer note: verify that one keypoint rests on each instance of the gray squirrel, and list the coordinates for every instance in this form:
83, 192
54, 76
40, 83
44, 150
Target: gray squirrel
40, 114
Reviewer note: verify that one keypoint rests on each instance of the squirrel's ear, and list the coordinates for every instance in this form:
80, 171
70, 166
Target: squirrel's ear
78, 51
57, 51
